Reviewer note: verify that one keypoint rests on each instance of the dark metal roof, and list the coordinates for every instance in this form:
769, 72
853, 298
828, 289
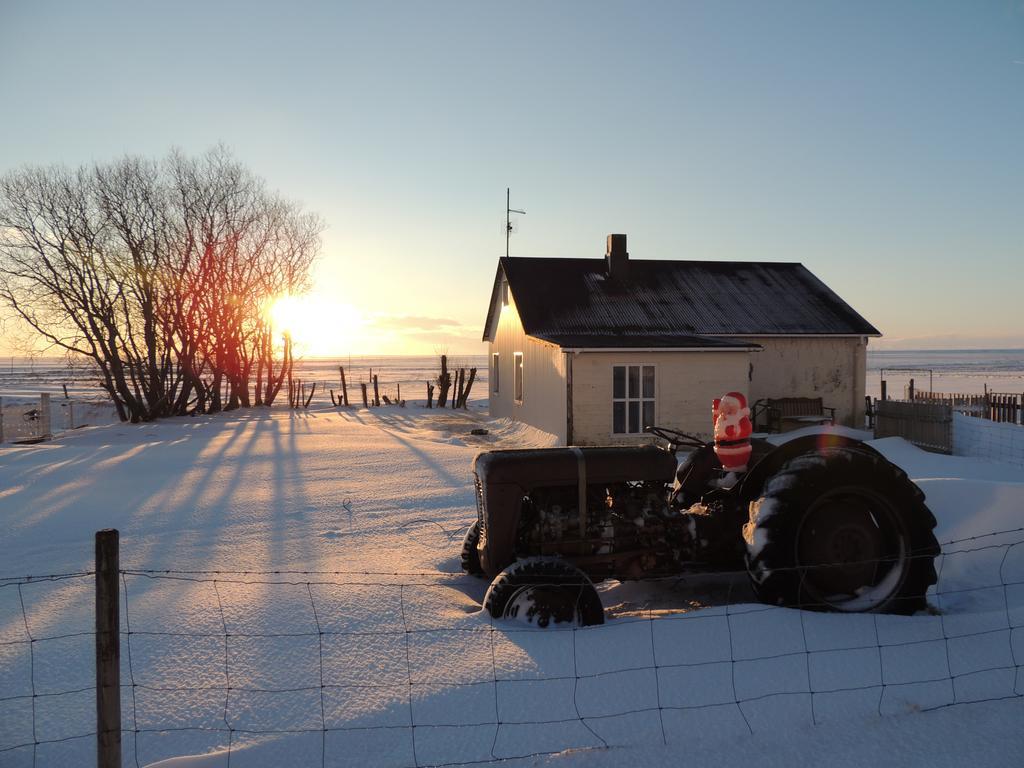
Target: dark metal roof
721, 298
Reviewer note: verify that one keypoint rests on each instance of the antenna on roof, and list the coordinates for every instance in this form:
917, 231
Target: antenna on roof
509, 226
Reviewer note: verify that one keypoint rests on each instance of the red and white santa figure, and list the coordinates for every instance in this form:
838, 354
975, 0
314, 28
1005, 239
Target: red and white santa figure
732, 431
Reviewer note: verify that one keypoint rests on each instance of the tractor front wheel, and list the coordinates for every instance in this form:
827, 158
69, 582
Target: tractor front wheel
470, 557
843, 530
543, 591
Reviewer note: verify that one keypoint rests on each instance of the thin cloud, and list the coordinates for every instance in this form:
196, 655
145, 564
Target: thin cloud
446, 334
409, 322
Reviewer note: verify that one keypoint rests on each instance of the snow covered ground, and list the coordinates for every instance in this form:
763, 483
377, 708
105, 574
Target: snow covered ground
314, 614
967, 371
77, 400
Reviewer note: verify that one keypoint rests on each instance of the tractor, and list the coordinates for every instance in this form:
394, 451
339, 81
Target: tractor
821, 522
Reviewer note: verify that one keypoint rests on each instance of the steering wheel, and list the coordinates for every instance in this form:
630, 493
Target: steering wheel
675, 438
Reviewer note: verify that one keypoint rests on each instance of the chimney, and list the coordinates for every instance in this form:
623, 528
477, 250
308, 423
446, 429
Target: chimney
616, 258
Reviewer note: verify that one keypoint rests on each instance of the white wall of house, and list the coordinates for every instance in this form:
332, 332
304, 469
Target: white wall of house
686, 383
832, 368
544, 403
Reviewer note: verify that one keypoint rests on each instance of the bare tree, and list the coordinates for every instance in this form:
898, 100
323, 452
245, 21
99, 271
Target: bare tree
160, 273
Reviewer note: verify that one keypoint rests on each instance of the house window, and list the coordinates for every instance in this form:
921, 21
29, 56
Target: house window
517, 367
504, 292
494, 373
632, 398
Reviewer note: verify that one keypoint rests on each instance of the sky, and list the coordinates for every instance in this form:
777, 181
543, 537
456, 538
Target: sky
881, 144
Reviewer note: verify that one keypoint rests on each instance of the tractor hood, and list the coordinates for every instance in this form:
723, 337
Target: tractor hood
560, 466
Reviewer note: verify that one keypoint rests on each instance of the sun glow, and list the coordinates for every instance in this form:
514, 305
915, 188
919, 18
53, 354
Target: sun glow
319, 326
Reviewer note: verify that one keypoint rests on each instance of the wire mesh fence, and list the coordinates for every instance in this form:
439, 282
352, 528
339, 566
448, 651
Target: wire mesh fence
988, 440
27, 419
394, 669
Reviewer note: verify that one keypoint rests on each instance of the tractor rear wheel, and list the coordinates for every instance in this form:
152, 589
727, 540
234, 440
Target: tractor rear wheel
543, 591
844, 530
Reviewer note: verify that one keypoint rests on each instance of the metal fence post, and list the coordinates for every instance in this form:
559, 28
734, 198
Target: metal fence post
44, 416
108, 651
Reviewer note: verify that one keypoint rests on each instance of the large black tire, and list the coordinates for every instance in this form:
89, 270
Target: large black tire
544, 590
844, 530
470, 556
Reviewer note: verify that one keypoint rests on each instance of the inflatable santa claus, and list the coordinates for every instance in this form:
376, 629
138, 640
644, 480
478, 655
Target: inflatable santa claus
731, 417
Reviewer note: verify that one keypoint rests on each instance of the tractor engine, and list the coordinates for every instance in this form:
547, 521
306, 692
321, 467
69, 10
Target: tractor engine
628, 529
528, 505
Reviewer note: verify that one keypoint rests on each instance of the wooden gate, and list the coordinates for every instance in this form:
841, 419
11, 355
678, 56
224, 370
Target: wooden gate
926, 425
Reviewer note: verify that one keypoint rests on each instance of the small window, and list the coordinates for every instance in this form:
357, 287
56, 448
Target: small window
633, 398
518, 373
495, 381
504, 292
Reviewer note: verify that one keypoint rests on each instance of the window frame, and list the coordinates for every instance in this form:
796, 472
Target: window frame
638, 398
518, 378
495, 372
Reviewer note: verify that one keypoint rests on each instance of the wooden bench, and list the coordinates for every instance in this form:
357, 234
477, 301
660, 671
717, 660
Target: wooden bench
793, 412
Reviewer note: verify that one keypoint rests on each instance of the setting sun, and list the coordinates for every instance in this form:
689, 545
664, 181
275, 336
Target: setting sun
319, 326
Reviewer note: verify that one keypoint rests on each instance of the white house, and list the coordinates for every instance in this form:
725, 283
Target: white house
594, 350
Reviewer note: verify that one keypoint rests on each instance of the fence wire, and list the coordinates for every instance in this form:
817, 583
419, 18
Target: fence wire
361, 664
22, 418
33, 646
986, 439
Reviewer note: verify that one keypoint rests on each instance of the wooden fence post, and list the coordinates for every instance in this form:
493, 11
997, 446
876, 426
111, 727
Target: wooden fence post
444, 382
108, 651
910, 390
883, 397
460, 381
430, 395
376, 392
362, 386
469, 386
344, 386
